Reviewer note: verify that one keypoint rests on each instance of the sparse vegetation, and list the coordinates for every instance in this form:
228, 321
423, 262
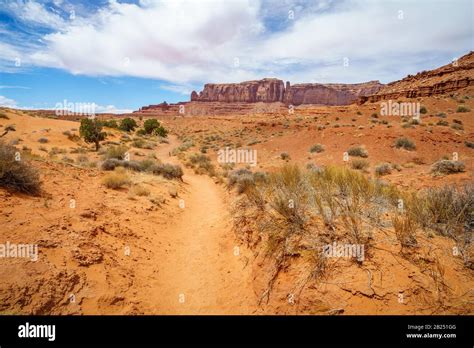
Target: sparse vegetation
359, 164
117, 179
358, 151
405, 143
383, 169
15, 173
462, 108
316, 148
447, 167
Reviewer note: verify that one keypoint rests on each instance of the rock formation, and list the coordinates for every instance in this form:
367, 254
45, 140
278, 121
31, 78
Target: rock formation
274, 90
446, 79
266, 90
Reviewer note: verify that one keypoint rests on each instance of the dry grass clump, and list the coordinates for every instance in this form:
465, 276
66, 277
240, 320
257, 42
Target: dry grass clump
117, 179
405, 230
383, 169
201, 164
405, 143
117, 152
358, 151
359, 164
139, 190
168, 171
316, 148
15, 173
447, 167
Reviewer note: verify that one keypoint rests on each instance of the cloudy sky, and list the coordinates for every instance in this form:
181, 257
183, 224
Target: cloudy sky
125, 54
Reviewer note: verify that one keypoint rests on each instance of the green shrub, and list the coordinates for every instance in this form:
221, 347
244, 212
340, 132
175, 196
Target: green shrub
128, 124
91, 131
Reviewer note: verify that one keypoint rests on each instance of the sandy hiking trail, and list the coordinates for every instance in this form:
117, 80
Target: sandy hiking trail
203, 270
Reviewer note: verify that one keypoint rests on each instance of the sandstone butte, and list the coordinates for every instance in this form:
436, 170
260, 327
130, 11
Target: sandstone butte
271, 94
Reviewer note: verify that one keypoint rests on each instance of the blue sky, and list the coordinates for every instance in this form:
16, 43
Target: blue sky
125, 54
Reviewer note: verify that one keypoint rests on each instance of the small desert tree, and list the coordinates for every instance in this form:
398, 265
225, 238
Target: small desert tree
91, 131
152, 126
128, 124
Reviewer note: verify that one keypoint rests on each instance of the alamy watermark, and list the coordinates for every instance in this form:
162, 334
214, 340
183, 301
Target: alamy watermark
344, 250
66, 108
19, 250
392, 108
229, 155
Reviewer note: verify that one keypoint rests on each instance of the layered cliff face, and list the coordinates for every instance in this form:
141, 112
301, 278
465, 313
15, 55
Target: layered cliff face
446, 79
273, 90
266, 90
329, 94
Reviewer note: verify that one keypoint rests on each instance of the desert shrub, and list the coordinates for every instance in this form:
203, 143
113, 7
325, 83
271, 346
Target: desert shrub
359, 164
383, 169
441, 114
447, 167
128, 124
469, 144
56, 151
143, 144
405, 143
4, 116
201, 164
442, 123
462, 108
457, 126
423, 110
241, 178
110, 124
118, 152
285, 156
168, 171
152, 126
91, 131
374, 115
358, 151
111, 164
15, 173
43, 140
117, 179
316, 148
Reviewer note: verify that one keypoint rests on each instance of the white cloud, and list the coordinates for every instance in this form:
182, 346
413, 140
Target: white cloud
188, 42
111, 109
35, 12
6, 102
